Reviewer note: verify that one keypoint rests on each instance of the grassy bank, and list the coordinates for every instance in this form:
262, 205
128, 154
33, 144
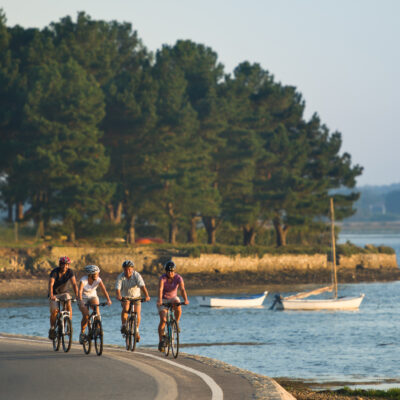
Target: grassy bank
302, 391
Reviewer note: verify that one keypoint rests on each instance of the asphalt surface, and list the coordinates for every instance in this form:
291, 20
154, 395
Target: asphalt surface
30, 370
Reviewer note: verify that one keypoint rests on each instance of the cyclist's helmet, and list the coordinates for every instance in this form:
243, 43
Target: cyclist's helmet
92, 269
170, 266
64, 260
127, 264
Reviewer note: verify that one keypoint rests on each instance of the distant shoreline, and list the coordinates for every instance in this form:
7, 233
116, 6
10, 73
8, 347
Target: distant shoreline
15, 285
369, 227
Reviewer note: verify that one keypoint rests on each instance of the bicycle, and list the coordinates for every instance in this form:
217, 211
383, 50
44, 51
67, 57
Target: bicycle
131, 332
94, 331
63, 330
171, 335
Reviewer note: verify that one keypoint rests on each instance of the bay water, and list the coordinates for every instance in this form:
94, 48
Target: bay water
318, 346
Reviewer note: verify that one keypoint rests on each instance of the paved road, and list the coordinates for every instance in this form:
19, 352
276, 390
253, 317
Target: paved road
30, 369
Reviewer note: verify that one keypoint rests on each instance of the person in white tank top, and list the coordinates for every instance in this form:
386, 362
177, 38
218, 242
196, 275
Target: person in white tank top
87, 294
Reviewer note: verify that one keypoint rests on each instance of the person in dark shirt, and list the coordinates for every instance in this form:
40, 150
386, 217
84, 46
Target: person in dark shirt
58, 290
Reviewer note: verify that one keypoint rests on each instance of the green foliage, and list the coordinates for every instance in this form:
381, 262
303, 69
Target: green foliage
386, 250
393, 393
93, 129
348, 249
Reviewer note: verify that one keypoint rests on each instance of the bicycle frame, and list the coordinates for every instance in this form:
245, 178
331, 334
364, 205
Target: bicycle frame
94, 334
171, 328
63, 326
131, 330
61, 316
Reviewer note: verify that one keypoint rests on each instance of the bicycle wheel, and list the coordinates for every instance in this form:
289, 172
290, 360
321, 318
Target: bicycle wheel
67, 336
129, 334
174, 339
87, 342
134, 333
98, 337
167, 339
57, 338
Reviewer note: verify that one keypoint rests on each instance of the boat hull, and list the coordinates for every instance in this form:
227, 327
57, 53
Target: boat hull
344, 303
253, 301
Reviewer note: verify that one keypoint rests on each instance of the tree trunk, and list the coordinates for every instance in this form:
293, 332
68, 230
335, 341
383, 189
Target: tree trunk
192, 234
131, 231
40, 229
115, 213
249, 235
173, 226
19, 211
71, 236
281, 232
210, 223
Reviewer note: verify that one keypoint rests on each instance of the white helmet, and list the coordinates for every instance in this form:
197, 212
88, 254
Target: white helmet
92, 269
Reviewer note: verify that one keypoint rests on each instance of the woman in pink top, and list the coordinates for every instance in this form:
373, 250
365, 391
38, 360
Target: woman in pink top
168, 293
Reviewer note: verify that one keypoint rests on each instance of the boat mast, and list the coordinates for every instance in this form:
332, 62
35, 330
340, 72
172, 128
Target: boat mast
335, 284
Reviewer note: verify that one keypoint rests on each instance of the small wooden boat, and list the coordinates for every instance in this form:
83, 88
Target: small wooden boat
340, 303
299, 301
248, 301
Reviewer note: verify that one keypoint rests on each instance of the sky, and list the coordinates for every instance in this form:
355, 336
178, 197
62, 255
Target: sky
343, 56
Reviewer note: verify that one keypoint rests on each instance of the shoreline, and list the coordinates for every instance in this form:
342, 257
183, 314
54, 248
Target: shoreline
313, 390
24, 285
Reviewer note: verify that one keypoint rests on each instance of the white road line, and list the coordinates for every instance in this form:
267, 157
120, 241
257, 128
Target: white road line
216, 391
167, 387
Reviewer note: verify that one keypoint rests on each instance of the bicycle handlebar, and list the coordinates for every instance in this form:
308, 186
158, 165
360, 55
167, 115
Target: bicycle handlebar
170, 305
61, 300
141, 299
100, 304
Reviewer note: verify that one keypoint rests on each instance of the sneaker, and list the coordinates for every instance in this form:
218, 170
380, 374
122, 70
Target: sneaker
164, 341
52, 333
123, 329
82, 338
161, 346
138, 338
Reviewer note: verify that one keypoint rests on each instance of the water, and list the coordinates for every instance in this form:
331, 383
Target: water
359, 346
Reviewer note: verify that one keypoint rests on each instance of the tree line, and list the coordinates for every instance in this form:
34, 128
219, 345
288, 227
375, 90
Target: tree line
94, 127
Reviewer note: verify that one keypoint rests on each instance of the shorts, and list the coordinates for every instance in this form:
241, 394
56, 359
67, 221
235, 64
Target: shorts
85, 300
135, 302
168, 301
61, 296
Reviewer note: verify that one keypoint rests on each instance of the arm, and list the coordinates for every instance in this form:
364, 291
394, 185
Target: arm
146, 293
160, 292
183, 292
118, 285
51, 284
80, 291
75, 286
104, 290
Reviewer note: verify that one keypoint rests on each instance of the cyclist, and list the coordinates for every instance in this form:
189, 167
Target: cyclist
58, 290
167, 293
88, 294
129, 284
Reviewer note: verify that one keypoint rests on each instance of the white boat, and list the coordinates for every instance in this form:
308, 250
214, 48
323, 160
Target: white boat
340, 303
299, 301
248, 301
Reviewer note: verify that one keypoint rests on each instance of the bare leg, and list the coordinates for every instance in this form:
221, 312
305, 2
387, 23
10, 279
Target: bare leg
53, 317
85, 318
124, 312
177, 313
162, 323
138, 308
